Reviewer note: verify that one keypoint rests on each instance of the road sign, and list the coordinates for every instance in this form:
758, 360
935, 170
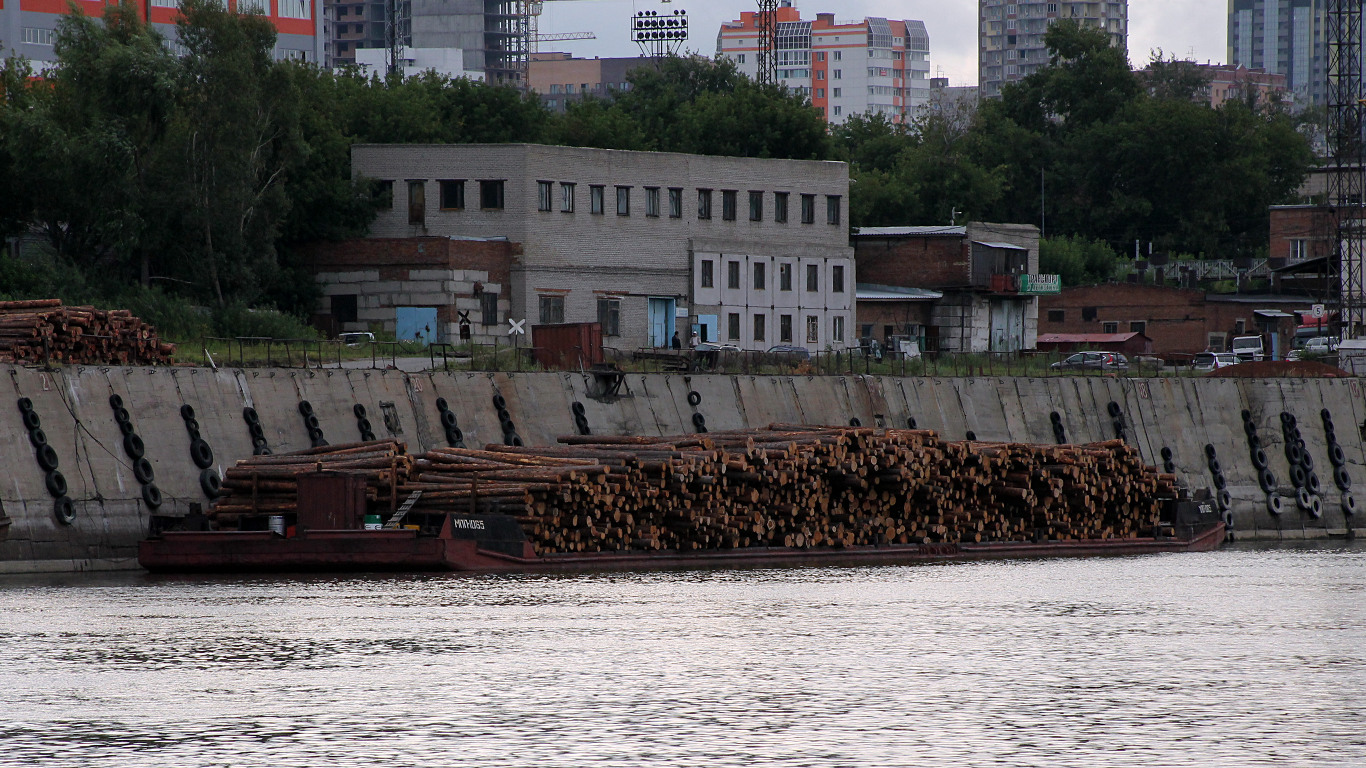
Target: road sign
1317, 311
518, 327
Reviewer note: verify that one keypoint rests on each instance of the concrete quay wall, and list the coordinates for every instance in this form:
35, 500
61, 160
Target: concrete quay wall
111, 516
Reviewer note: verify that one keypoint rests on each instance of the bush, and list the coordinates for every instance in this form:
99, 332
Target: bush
239, 320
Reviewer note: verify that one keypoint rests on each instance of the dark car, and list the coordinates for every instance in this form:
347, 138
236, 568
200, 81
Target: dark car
1093, 361
790, 352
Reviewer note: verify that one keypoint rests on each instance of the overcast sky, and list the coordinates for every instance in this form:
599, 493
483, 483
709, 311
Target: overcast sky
1187, 28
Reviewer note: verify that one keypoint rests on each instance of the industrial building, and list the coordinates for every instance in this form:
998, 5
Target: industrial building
27, 26
750, 252
873, 65
1010, 38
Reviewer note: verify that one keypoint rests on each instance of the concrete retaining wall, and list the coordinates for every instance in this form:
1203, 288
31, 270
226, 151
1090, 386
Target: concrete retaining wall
1182, 414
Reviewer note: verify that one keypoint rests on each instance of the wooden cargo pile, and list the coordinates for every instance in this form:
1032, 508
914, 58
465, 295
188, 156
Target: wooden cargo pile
268, 485
796, 486
42, 330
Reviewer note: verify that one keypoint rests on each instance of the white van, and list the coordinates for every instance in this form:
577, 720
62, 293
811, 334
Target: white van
1352, 356
1248, 348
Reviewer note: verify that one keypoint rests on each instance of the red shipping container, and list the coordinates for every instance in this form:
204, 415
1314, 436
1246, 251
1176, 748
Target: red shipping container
567, 346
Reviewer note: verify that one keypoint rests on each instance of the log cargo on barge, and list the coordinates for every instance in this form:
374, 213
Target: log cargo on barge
784, 495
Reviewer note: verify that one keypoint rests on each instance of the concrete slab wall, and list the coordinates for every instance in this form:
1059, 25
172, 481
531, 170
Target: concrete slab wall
1181, 414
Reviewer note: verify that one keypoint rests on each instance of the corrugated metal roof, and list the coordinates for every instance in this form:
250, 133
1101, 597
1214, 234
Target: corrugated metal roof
1087, 338
871, 292
910, 231
1011, 246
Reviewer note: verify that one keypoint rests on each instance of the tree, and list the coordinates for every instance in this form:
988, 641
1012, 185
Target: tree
1077, 260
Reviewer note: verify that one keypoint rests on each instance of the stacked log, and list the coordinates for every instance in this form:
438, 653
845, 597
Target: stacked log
43, 330
268, 485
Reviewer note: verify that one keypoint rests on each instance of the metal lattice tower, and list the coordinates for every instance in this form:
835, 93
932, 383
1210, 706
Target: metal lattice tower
1346, 184
398, 34
767, 55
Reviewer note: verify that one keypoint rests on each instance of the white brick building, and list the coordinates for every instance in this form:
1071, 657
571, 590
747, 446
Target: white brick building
625, 238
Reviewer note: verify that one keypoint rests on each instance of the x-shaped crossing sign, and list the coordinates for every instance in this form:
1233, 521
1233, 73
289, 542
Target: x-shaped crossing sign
464, 316
518, 326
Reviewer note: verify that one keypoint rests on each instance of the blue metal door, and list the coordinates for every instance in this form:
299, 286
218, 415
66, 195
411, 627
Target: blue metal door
706, 328
661, 322
416, 324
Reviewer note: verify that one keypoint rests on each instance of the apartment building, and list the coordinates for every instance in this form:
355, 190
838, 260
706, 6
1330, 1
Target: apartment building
1010, 35
26, 26
1284, 37
746, 251
561, 79
873, 65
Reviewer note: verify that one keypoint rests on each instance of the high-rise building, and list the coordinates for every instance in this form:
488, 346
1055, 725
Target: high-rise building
1283, 37
26, 26
873, 65
491, 35
1010, 39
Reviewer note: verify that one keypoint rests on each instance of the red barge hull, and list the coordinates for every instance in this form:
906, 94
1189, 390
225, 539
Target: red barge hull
406, 550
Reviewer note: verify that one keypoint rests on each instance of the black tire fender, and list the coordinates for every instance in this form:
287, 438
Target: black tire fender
187, 411
151, 495
210, 483
65, 510
56, 483
133, 446
142, 471
694, 398
47, 457
201, 454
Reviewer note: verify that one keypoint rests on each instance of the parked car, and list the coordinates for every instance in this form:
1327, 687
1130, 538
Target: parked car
1093, 361
712, 346
356, 338
790, 352
1213, 361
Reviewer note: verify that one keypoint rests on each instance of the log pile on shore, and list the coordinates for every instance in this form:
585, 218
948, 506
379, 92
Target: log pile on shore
44, 331
787, 486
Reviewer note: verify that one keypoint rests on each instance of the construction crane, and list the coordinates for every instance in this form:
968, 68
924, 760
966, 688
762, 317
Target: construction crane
766, 57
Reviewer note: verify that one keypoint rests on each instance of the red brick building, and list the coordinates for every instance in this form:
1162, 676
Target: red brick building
1179, 321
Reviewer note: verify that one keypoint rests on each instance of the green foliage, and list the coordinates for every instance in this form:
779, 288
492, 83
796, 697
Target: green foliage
1079, 261
236, 320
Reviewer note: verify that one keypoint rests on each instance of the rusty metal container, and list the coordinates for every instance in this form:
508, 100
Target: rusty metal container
331, 501
567, 346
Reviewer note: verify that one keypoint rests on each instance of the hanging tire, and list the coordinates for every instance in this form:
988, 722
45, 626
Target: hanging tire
311, 421
367, 437
1220, 482
509, 428
910, 422
210, 483
1165, 453
577, 408
65, 510
1209, 451
1293, 454
1169, 467
1246, 414
1254, 442
513, 439
1349, 505
1315, 507
37, 437
1326, 415
454, 435
115, 401
258, 442
1329, 436
133, 446
441, 404
192, 426
448, 419
1249, 428
500, 403
47, 457
698, 420
1228, 519
1308, 461
1273, 505
694, 398
25, 405
1341, 478
1224, 500
1112, 408
256, 432
1259, 460
187, 411
1267, 480
359, 410
854, 422
1214, 466
1336, 456
250, 416
315, 435
1311, 483
151, 495
260, 450
32, 421
363, 424
201, 454
1303, 500
56, 483
142, 471
121, 415
1298, 476
305, 407
971, 436
126, 428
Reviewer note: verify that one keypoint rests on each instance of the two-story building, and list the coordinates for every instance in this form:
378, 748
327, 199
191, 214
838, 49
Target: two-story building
987, 275
753, 252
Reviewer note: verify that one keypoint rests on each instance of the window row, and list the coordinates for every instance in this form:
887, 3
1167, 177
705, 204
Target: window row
551, 311
759, 328
759, 276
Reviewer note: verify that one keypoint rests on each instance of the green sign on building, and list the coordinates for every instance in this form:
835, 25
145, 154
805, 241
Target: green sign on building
1040, 284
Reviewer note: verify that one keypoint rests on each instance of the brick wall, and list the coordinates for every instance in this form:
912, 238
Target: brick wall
914, 262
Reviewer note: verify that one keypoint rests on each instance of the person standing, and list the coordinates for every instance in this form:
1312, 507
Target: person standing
676, 343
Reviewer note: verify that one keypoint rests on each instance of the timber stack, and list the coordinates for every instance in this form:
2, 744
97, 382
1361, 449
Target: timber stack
783, 486
45, 331
268, 485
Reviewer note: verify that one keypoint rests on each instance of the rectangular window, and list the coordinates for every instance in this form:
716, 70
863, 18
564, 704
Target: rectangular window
728, 205
37, 36
704, 203
384, 194
623, 201
759, 277
832, 209
820, 56
652, 201
708, 273
417, 202
1298, 250
813, 329
837, 328
609, 316
491, 194
544, 193
760, 332
820, 74
566, 197
675, 203
784, 329
1239, 326
836, 74
733, 275
733, 326
836, 92
780, 207
1056, 315
756, 206
452, 194
1138, 326
820, 93
345, 308
488, 307
837, 55
595, 201
808, 209
784, 277
1216, 342
740, 58
552, 310
837, 279
1109, 327
813, 278
293, 9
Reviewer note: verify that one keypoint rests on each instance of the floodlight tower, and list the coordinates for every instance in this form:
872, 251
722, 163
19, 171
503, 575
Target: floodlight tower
659, 35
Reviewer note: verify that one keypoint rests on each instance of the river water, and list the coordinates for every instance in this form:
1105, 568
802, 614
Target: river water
1245, 657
